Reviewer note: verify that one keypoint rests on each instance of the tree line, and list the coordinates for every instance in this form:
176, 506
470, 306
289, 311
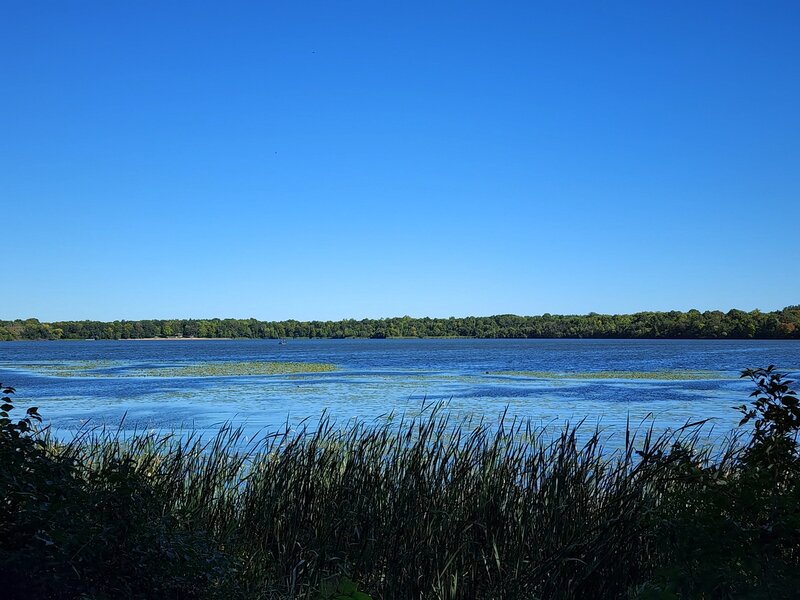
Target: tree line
693, 324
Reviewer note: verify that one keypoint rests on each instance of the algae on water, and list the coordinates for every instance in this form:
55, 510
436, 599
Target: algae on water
230, 369
203, 369
678, 375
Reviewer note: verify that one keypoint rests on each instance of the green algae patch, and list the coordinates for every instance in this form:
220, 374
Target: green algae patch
234, 369
211, 369
684, 375
85, 368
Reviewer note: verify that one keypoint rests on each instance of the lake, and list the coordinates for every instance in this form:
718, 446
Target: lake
261, 384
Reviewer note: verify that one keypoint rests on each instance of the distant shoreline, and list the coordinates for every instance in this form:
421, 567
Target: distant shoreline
692, 324
170, 338
406, 338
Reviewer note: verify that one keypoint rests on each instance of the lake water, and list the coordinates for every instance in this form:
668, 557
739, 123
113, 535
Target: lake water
161, 384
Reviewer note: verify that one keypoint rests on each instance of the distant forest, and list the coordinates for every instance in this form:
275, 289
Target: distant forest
737, 324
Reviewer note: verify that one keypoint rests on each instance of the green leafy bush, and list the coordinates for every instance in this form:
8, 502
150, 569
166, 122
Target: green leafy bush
66, 530
731, 528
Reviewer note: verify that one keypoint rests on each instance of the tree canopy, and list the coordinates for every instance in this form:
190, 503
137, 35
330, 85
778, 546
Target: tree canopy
693, 324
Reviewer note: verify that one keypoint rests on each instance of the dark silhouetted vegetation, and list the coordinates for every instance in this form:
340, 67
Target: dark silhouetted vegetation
405, 509
735, 324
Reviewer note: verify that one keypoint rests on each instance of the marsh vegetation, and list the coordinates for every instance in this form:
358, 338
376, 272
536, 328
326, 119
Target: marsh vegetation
198, 369
423, 507
675, 375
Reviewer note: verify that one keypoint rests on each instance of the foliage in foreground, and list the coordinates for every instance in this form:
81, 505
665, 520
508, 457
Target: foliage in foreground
420, 508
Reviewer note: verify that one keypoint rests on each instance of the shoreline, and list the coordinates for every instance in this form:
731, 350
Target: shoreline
164, 339
427, 337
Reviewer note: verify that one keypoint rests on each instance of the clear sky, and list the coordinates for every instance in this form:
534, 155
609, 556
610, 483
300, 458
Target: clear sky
337, 159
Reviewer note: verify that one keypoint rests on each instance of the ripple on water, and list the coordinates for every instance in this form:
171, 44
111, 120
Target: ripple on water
546, 380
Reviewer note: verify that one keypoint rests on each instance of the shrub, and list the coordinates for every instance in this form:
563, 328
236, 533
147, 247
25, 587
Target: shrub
731, 528
67, 531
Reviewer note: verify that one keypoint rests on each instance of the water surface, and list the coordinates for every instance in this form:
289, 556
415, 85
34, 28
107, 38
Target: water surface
202, 383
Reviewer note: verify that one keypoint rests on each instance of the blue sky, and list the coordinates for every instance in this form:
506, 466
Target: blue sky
331, 160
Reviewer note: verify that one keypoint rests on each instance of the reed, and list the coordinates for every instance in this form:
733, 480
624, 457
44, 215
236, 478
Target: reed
421, 507
409, 507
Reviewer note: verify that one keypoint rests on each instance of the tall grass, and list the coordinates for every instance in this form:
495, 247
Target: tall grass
415, 507
421, 508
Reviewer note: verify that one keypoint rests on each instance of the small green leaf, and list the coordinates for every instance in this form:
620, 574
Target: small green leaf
347, 587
